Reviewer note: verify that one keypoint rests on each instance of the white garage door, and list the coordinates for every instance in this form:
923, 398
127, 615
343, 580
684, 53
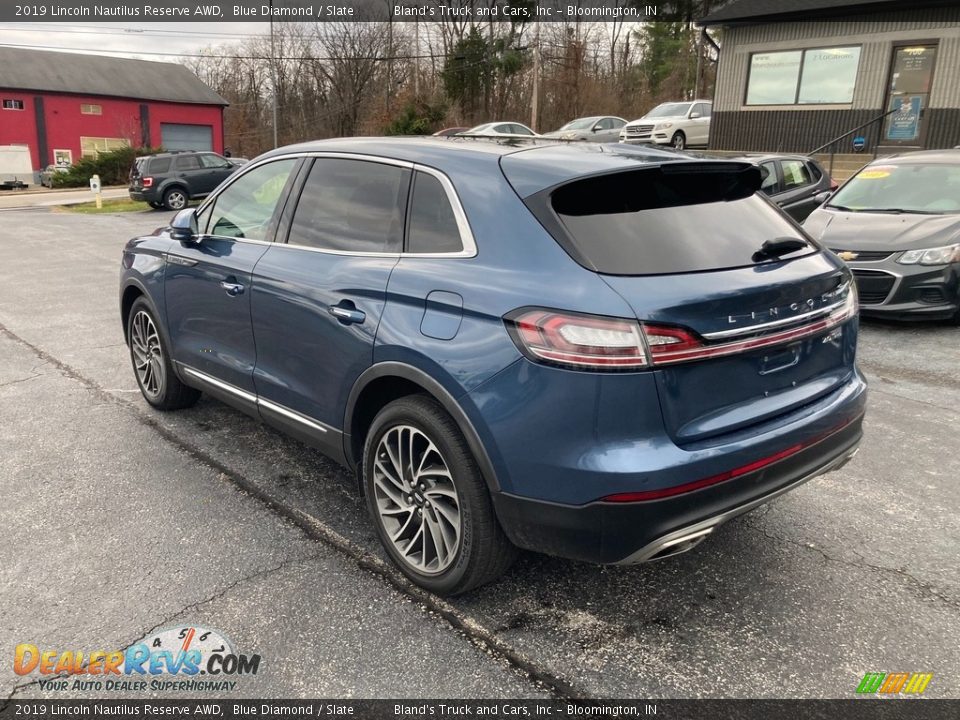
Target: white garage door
186, 137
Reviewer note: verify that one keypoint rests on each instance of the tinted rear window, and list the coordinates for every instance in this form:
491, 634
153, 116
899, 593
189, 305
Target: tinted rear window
665, 221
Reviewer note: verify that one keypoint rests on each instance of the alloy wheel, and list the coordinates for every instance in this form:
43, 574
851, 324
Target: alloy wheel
147, 354
416, 499
176, 200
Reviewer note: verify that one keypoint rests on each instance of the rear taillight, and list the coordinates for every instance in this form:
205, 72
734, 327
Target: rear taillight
147, 182
834, 184
602, 343
582, 341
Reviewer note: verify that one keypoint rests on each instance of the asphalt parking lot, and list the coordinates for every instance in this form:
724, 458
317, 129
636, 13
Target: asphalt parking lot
117, 521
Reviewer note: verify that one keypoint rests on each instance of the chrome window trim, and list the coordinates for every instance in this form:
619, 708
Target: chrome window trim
260, 402
467, 241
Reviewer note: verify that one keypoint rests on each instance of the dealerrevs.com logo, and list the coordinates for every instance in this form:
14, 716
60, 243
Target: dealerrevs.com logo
890, 684
191, 659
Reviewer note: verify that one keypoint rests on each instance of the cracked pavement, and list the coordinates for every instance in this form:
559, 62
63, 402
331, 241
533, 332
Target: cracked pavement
119, 521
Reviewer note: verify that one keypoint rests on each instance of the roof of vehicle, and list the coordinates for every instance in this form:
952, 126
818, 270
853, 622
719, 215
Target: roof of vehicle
43, 70
762, 157
530, 164
921, 156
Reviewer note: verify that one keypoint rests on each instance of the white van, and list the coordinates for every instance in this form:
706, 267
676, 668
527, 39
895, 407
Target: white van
16, 168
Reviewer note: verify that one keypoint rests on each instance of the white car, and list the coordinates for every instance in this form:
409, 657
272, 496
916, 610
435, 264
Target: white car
501, 129
680, 124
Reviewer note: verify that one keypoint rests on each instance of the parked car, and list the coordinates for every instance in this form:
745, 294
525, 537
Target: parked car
592, 129
601, 356
450, 131
681, 124
47, 174
173, 179
798, 184
501, 129
897, 225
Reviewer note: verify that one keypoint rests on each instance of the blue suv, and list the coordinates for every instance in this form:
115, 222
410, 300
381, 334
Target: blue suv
598, 352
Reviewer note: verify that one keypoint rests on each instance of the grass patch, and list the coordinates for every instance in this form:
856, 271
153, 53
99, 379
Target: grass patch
113, 205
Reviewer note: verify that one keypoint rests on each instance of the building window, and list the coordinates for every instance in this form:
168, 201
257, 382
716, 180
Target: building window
93, 146
12, 104
803, 77
91, 109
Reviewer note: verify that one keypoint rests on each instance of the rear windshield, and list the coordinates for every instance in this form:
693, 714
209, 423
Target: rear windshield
666, 221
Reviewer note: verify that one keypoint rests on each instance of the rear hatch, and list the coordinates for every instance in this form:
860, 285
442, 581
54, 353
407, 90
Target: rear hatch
745, 318
137, 173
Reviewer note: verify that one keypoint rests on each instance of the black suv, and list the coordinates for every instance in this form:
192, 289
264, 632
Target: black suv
172, 179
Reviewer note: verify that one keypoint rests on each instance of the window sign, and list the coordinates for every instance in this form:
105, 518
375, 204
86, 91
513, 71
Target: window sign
829, 75
904, 124
773, 78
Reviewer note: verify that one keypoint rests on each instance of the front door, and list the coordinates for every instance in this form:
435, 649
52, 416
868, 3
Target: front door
908, 94
207, 284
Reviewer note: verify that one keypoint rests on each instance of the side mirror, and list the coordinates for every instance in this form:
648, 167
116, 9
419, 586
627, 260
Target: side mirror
184, 228
694, 115
823, 197
595, 128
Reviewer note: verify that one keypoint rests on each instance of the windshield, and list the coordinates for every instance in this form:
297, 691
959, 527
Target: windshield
669, 110
581, 124
912, 188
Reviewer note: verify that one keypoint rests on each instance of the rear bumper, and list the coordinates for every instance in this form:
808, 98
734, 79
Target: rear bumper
629, 533
144, 195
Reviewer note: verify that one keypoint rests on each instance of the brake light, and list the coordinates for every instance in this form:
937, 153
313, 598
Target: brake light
583, 341
603, 343
147, 182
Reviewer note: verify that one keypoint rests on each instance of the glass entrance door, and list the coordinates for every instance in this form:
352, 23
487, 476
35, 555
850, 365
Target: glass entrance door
908, 93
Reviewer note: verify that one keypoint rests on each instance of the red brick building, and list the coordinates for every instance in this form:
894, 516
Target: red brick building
64, 106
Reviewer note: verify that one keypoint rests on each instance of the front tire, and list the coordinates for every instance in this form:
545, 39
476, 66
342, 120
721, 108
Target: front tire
428, 500
679, 140
150, 358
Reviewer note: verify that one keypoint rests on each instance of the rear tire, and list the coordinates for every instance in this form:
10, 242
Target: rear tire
156, 205
150, 358
175, 199
428, 500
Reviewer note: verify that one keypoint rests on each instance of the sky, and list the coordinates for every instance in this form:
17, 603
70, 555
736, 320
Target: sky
142, 40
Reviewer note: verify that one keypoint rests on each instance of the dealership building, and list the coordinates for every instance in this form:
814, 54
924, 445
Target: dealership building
64, 106
795, 74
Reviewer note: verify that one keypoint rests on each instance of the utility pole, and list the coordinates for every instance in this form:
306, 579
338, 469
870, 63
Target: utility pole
416, 59
535, 105
273, 75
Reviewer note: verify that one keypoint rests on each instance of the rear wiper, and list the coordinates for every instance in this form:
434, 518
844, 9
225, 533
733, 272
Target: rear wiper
777, 247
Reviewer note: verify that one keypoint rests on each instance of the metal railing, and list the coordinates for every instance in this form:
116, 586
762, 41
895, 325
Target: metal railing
831, 144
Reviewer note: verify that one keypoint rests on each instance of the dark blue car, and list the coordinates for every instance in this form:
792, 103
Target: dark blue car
598, 352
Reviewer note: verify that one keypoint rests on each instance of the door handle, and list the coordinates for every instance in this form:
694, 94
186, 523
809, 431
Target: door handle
347, 315
233, 288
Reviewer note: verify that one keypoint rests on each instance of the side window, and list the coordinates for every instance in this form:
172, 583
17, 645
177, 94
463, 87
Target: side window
605, 124
795, 174
186, 162
617, 123
158, 166
351, 206
769, 184
211, 160
246, 207
432, 225
705, 109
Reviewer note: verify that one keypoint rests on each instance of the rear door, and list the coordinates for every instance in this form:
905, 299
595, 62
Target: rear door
318, 297
207, 286
799, 190
682, 244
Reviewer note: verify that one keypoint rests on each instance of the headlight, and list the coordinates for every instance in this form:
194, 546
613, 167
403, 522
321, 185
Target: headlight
568, 136
931, 256
663, 126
